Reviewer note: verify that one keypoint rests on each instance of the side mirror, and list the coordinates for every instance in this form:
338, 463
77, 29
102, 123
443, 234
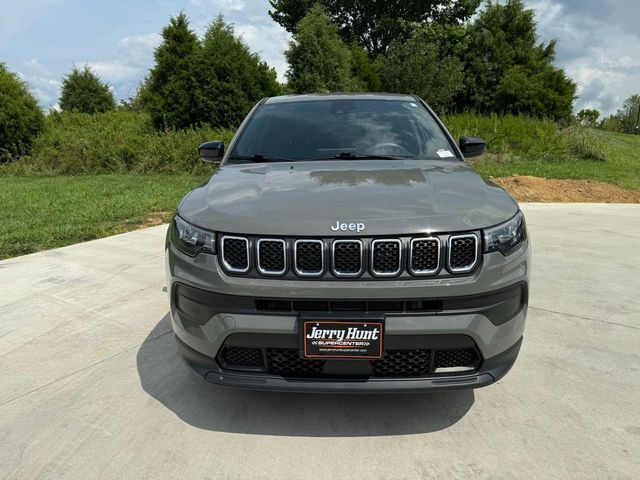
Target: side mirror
472, 146
211, 152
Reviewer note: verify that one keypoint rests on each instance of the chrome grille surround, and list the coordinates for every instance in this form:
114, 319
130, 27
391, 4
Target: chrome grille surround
469, 266
308, 273
259, 266
411, 256
342, 274
377, 273
336, 258
224, 258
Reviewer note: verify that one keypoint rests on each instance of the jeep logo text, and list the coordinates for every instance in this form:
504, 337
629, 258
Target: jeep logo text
351, 227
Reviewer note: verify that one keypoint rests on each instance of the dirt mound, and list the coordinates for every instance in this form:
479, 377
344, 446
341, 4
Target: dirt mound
535, 189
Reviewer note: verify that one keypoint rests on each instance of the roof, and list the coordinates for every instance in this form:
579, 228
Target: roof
339, 96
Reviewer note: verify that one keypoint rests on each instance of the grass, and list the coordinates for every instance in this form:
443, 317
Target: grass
47, 212
622, 167
523, 146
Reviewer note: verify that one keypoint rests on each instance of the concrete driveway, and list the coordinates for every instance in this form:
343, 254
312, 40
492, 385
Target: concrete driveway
91, 385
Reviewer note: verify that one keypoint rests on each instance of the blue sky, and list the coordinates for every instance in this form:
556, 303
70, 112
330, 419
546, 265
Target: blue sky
598, 40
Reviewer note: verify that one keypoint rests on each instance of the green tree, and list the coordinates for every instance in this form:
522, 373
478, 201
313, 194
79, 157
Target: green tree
375, 24
364, 69
319, 61
83, 91
231, 79
425, 65
21, 119
588, 117
169, 91
629, 115
507, 71
611, 123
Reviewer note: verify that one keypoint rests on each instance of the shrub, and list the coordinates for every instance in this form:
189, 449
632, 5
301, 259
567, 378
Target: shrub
21, 119
111, 142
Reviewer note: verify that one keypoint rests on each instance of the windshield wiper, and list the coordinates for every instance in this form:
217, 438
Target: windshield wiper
356, 156
259, 157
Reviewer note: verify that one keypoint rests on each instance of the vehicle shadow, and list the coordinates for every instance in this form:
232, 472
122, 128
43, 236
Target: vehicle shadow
165, 377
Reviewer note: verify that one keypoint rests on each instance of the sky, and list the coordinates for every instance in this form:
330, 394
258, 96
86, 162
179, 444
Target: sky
598, 41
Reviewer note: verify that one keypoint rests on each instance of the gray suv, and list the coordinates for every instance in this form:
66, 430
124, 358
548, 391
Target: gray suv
344, 245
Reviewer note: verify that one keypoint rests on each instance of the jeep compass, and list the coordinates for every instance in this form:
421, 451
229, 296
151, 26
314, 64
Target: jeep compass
344, 244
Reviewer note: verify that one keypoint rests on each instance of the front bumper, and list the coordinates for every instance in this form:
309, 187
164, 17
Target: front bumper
491, 371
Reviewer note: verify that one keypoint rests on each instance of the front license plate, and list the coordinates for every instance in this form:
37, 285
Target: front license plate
342, 339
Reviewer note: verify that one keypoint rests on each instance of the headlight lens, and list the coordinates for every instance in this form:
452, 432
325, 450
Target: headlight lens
506, 237
192, 240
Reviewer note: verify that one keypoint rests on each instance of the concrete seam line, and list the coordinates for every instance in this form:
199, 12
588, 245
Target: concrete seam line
83, 369
584, 318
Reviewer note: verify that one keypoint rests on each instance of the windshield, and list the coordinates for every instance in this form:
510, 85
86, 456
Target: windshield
342, 128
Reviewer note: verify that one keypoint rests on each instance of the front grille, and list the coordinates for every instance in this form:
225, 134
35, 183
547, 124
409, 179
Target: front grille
424, 256
457, 360
403, 363
242, 357
287, 362
347, 258
235, 253
309, 257
395, 364
463, 253
386, 257
350, 258
272, 259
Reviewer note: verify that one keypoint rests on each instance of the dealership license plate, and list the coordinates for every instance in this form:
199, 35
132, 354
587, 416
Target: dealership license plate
342, 339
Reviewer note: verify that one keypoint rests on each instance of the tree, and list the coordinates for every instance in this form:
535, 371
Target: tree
375, 24
629, 115
21, 119
507, 71
588, 117
319, 61
169, 91
364, 69
231, 79
424, 65
83, 91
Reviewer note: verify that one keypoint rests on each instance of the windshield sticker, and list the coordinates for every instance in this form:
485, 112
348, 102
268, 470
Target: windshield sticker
444, 153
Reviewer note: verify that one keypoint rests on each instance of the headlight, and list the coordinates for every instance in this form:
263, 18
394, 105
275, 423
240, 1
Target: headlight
506, 237
192, 240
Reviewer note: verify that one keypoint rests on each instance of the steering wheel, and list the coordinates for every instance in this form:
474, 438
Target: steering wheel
390, 148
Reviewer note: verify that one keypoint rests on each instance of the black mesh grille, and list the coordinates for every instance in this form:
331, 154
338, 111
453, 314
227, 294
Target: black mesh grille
271, 256
235, 253
402, 363
386, 257
287, 362
463, 252
424, 255
309, 257
347, 257
396, 363
242, 357
463, 357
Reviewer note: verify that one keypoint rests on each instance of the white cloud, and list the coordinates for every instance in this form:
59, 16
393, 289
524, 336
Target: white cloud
115, 71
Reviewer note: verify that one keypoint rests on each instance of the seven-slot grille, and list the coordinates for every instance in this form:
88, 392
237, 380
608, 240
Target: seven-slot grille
350, 258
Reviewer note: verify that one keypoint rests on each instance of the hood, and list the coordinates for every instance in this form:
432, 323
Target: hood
390, 197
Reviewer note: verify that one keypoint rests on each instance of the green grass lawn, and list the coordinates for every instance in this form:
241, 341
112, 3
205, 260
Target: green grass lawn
39, 213
621, 168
